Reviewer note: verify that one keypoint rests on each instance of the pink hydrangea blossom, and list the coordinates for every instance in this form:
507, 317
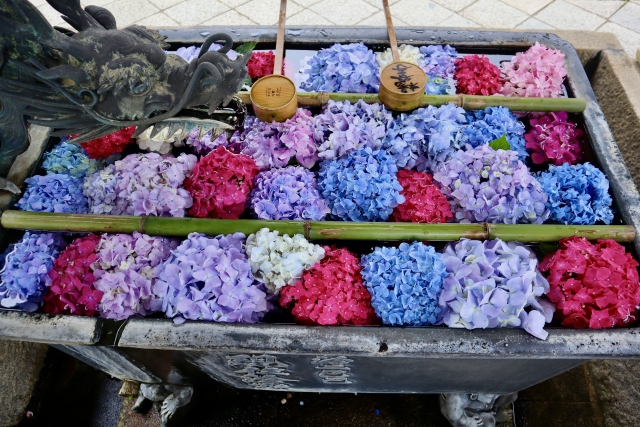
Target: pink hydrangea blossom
538, 72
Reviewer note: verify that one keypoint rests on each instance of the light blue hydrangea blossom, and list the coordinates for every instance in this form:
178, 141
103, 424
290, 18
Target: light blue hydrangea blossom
60, 193
24, 278
494, 284
437, 63
69, 159
492, 123
343, 68
362, 187
578, 194
404, 283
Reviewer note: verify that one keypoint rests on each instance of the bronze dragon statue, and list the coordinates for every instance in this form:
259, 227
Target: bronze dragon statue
97, 79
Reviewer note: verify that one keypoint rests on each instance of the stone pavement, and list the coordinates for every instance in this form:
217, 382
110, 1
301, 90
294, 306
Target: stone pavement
619, 17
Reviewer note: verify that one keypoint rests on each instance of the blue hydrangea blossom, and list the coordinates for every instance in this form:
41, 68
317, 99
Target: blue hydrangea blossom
54, 192
405, 283
490, 124
69, 159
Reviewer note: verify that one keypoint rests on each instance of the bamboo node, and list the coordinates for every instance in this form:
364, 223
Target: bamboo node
307, 229
141, 224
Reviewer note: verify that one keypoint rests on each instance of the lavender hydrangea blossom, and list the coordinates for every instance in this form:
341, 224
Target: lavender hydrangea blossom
362, 187
343, 68
142, 184
124, 270
205, 145
191, 53
209, 279
69, 159
404, 283
273, 145
343, 127
54, 192
24, 278
492, 123
578, 194
286, 194
485, 185
418, 139
491, 284
437, 63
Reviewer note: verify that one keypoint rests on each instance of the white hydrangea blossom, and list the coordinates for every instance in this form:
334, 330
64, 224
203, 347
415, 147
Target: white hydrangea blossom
277, 260
162, 142
410, 54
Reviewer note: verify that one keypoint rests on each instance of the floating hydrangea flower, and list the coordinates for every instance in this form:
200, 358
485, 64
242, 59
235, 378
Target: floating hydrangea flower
491, 284
424, 202
261, 64
408, 53
538, 72
343, 68
142, 184
330, 293
205, 145
162, 142
220, 184
69, 159
594, 285
191, 53
54, 192
343, 127
273, 145
24, 278
72, 278
552, 138
362, 187
417, 139
404, 283
277, 260
105, 146
485, 185
492, 123
437, 63
476, 75
288, 193
578, 194
208, 279
124, 270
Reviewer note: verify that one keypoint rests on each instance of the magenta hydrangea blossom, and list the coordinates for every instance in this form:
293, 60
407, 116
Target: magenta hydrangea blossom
273, 145
487, 185
552, 138
142, 184
494, 284
209, 279
287, 194
343, 127
124, 269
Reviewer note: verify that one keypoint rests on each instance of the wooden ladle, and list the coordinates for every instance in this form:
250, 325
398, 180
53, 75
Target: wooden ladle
402, 84
274, 97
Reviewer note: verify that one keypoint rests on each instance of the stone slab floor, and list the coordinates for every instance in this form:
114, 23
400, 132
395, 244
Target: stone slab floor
619, 17
70, 393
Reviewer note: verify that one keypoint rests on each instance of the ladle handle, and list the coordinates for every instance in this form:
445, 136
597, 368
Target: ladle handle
277, 65
392, 33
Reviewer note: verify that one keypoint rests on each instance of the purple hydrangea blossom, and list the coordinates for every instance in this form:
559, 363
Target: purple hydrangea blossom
418, 139
485, 185
491, 284
490, 124
404, 283
437, 63
273, 145
205, 145
191, 53
343, 68
54, 192
124, 270
24, 278
142, 184
209, 279
288, 193
578, 194
362, 187
343, 127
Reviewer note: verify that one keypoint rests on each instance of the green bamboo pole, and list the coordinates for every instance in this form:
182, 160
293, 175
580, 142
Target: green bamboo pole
468, 102
314, 230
